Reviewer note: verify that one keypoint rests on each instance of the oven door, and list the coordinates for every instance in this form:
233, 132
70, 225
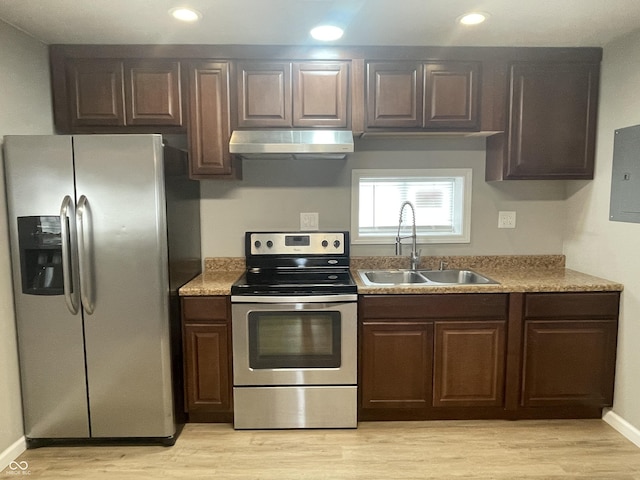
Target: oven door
286, 344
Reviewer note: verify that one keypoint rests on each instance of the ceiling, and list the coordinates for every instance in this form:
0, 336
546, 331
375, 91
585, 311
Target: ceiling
287, 22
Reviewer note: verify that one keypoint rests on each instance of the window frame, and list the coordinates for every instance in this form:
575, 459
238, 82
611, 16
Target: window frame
465, 225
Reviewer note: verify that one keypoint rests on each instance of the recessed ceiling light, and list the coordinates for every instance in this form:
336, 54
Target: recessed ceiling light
185, 14
473, 18
326, 33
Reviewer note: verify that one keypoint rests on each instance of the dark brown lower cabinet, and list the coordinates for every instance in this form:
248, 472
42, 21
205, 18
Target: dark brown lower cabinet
569, 349
442, 356
469, 360
533, 355
207, 358
431, 356
398, 360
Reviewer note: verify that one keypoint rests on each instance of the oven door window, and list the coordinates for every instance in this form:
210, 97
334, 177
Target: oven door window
294, 340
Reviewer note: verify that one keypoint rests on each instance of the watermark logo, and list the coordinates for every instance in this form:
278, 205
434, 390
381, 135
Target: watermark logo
18, 468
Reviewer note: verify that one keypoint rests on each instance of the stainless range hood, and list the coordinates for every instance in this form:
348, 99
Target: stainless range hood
320, 144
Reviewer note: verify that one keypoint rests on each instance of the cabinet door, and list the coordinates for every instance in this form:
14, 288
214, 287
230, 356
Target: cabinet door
394, 94
320, 94
552, 122
208, 371
469, 360
569, 363
152, 93
396, 365
264, 94
209, 123
95, 92
452, 96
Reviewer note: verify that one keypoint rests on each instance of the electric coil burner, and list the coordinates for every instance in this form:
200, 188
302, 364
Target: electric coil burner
294, 322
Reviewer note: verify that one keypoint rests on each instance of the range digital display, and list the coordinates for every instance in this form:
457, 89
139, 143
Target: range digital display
297, 241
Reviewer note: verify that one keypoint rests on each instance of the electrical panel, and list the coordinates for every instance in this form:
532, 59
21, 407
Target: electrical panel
625, 178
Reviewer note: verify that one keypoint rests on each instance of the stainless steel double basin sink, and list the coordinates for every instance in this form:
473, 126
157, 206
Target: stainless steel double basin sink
423, 277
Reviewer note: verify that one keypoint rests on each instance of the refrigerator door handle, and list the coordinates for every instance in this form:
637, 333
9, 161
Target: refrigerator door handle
86, 291
69, 255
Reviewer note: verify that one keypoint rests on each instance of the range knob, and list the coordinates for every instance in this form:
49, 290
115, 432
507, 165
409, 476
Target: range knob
325, 244
336, 243
269, 244
257, 244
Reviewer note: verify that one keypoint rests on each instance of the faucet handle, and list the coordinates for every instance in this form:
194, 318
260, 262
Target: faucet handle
443, 265
415, 259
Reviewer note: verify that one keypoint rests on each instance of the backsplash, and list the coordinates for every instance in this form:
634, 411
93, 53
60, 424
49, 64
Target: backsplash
273, 193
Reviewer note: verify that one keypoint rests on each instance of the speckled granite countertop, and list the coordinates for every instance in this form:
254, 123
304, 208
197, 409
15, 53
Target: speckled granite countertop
515, 273
218, 276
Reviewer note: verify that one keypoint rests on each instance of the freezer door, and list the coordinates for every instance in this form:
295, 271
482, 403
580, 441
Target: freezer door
123, 237
38, 176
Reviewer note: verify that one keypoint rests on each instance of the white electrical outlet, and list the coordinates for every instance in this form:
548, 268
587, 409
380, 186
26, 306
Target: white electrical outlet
506, 219
309, 221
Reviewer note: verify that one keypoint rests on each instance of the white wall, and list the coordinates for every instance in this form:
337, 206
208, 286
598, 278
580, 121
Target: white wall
25, 108
273, 193
610, 249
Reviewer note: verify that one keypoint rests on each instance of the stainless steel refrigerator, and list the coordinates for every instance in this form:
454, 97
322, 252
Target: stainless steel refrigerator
104, 229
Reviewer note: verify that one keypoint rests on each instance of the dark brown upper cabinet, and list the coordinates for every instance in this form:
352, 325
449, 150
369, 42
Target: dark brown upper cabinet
152, 93
452, 95
551, 123
292, 94
209, 120
264, 94
321, 94
104, 95
394, 95
423, 96
96, 93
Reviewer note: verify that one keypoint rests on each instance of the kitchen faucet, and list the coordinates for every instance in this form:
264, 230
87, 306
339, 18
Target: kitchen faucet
415, 254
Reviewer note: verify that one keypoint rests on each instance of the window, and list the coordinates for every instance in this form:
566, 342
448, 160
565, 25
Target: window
442, 201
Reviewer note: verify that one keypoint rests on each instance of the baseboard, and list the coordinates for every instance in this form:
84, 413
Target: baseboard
622, 426
13, 452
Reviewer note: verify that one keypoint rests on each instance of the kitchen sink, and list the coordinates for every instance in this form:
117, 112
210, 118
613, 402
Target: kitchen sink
463, 277
423, 277
392, 277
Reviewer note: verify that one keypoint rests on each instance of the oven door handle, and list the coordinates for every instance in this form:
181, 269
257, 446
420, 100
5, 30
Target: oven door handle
294, 299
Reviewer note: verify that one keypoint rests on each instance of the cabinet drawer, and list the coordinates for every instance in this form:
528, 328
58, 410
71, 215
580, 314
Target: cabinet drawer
212, 309
479, 305
572, 305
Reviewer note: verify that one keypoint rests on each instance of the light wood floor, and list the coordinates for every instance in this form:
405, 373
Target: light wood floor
558, 449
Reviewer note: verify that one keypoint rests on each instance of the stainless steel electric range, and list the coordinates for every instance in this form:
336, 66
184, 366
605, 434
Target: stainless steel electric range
294, 324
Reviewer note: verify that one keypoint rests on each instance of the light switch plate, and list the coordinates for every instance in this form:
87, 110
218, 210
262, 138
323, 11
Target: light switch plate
309, 221
506, 219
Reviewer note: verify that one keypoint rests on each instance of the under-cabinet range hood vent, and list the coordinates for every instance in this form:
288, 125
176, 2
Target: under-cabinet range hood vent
320, 144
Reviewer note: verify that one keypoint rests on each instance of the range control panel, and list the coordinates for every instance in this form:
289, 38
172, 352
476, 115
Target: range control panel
297, 243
